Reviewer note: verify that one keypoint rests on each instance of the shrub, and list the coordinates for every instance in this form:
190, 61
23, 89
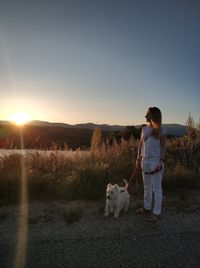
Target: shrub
180, 178
88, 183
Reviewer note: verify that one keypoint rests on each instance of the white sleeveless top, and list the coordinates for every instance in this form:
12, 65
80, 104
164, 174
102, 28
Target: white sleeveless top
151, 145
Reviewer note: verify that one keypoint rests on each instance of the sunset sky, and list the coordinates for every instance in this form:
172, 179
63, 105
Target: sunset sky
105, 61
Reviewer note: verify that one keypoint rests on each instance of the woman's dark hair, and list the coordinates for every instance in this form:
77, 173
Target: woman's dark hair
156, 116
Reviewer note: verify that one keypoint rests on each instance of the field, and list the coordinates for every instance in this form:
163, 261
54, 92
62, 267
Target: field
75, 175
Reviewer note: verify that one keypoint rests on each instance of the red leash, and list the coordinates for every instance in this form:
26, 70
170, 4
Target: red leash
133, 174
149, 173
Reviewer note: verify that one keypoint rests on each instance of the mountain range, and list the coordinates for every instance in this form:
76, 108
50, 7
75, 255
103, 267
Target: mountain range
42, 134
171, 129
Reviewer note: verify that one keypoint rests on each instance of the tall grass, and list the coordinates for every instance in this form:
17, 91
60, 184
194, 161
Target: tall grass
183, 163
78, 174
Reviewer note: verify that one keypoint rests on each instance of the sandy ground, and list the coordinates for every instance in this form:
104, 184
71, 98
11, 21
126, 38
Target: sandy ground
84, 219
78, 224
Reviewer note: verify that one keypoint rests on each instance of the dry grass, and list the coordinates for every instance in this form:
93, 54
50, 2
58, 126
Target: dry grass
83, 175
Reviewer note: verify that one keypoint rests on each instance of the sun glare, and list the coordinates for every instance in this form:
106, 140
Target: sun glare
20, 118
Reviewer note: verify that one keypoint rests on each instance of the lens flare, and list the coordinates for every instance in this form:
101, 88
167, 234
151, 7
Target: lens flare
20, 118
22, 239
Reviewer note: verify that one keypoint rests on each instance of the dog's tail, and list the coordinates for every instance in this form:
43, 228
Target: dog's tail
126, 184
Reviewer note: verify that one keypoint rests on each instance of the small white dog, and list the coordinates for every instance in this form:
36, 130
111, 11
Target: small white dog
117, 199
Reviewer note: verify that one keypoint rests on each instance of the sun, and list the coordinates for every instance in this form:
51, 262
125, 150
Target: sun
20, 118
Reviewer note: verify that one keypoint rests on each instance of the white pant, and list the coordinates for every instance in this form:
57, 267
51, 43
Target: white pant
152, 185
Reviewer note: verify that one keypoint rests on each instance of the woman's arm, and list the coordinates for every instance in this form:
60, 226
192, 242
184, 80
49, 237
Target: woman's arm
163, 140
139, 157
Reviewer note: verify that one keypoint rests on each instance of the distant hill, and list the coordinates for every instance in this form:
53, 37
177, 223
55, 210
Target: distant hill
91, 126
41, 134
175, 129
171, 129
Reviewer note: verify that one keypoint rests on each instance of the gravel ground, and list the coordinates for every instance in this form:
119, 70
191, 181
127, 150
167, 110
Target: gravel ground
76, 234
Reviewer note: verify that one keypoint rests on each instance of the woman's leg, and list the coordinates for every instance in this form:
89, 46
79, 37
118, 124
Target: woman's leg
147, 191
157, 190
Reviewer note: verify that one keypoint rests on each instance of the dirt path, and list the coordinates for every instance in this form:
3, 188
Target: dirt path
75, 225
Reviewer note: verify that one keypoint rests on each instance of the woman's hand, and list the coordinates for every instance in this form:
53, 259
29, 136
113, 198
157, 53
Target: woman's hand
138, 163
160, 165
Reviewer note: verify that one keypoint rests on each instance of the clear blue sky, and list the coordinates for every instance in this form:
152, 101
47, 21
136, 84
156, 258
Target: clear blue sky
105, 61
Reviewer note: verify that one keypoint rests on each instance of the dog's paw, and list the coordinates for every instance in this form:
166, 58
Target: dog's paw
126, 208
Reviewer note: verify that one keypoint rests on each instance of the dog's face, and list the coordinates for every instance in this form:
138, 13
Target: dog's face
112, 191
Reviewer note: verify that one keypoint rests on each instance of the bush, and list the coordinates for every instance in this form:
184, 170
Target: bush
89, 183
180, 178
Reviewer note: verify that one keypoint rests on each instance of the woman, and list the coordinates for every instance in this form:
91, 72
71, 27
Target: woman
150, 158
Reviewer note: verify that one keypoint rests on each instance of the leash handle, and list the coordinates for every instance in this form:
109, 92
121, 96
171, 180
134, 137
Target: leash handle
154, 171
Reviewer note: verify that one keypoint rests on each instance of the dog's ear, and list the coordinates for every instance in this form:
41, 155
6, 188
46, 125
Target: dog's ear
109, 185
116, 186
